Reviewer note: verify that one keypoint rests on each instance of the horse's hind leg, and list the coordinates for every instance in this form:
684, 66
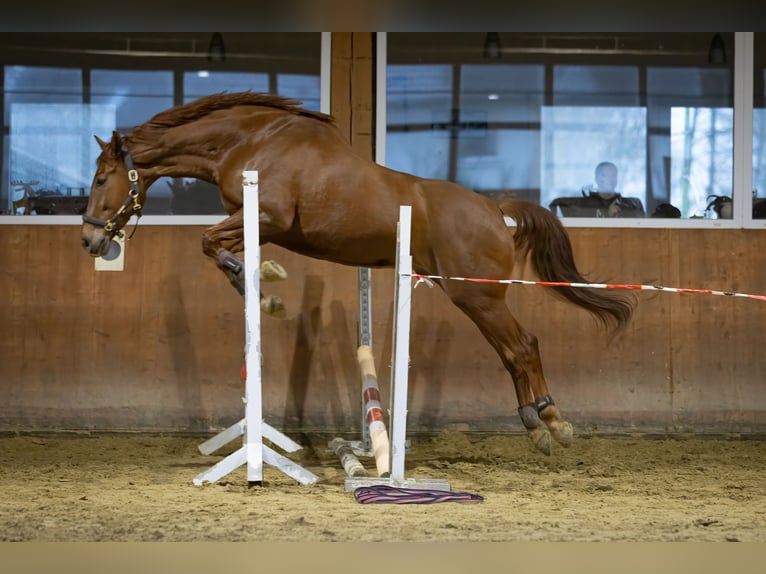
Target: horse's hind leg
544, 406
519, 352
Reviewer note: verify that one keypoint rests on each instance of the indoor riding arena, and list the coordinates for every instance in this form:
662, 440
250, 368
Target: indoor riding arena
112, 380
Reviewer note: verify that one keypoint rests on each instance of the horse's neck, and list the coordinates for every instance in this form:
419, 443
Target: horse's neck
197, 150
190, 161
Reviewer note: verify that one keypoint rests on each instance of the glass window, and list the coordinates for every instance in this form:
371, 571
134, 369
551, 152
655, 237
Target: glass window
613, 136
34, 96
61, 89
51, 153
543, 117
692, 167
302, 87
134, 96
419, 113
701, 166
204, 82
499, 141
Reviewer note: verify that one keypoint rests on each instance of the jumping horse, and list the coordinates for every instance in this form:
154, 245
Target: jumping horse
320, 199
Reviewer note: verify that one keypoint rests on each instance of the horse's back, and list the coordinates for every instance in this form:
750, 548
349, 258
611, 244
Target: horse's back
346, 207
464, 230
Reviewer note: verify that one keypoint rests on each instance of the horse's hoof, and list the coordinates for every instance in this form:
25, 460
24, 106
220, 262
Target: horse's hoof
541, 438
272, 271
563, 433
273, 305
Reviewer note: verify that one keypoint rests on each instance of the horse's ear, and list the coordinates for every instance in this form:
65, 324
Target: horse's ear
111, 147
101, 143
116, 142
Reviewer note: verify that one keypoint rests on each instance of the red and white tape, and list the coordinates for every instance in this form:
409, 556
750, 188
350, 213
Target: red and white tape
426, 279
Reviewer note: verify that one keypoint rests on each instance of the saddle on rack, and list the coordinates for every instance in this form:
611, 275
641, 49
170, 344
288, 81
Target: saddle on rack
594, 205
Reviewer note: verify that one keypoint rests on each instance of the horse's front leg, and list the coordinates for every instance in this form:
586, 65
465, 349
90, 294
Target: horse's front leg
272, 304
223, 243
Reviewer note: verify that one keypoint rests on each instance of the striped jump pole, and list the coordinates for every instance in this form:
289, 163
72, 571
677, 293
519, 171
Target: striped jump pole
374, 436
253, 452
373, 413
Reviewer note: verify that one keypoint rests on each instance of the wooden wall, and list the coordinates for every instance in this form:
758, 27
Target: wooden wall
159, 346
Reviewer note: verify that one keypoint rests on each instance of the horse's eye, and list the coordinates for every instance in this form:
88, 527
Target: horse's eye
100, 181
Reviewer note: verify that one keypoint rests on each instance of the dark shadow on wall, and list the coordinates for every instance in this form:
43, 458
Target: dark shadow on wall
307, 339
341, 372
180, 347
429, 370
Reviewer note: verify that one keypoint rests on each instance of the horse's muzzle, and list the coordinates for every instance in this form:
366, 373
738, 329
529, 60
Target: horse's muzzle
96, 245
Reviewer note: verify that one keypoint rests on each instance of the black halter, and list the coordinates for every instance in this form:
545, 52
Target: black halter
131, 201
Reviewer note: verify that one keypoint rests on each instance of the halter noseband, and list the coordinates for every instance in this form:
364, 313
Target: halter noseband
131, 201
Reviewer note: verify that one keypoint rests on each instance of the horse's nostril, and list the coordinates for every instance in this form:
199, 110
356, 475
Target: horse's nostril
85, 243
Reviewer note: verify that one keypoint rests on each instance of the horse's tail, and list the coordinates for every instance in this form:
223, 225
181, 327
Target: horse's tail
540, 233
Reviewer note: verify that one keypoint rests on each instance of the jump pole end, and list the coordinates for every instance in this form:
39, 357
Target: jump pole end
381, 447
381, 450
348, 459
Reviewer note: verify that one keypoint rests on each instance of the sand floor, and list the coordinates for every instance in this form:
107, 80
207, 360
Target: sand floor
139, 488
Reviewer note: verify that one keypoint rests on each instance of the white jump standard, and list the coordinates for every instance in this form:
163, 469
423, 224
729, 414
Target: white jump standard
399, 371
253, 452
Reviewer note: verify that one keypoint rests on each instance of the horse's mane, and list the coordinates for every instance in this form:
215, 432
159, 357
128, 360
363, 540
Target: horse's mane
184, 114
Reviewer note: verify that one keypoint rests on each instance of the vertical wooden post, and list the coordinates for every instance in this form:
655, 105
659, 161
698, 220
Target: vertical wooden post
351, 88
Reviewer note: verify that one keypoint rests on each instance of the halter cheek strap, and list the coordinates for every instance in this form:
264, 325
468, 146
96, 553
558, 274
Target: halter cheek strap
131, 201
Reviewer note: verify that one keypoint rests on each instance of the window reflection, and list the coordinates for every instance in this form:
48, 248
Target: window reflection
701, 161
303, 87
505, 100
419, 116
56, 98
135, 95
615, 136
535, 122
52, 155
759, 162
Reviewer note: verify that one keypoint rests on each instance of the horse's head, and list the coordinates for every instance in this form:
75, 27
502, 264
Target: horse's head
115, 195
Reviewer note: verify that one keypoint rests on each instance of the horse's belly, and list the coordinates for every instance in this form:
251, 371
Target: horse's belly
359, 252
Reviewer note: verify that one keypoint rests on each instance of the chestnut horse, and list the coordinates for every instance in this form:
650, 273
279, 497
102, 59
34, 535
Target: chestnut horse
320, 199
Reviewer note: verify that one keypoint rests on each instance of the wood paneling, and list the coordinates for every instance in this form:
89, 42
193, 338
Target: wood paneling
159, 345
351, 101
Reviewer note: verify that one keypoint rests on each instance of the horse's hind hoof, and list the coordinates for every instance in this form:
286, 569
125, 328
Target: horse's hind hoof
541, 439
563, 433
274, 306
272, 271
